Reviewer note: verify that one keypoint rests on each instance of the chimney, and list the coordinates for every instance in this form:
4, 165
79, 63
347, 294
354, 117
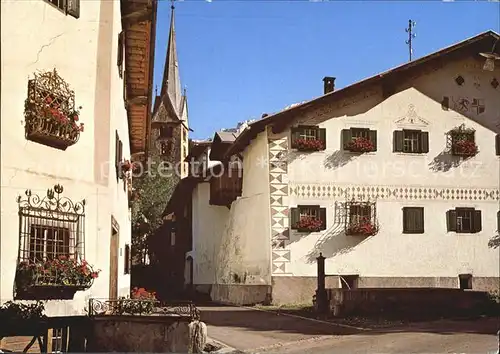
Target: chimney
329, 84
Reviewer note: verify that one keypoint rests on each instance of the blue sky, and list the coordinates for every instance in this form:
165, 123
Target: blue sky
240, 59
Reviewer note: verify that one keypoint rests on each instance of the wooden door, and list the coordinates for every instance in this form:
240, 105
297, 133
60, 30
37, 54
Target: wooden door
113, 260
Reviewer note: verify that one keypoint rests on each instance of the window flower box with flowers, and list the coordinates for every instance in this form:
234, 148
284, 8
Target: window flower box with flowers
463, 141
309, 224
309, 144
360, 144
56, 275
51, 117
363, 228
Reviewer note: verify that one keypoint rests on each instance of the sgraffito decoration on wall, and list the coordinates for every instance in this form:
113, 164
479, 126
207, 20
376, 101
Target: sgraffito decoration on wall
494, 83
278, 186
469, 105
476, 81
459, 80
381, 192
412, 118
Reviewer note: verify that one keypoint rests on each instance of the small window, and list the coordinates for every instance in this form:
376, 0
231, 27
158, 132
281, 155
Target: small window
69, 7
166, 132
48, 243
465, 281
359, 214
127, 260
411, 141
413, 220
165, 148
464, 220
308, 138
497, 144
359, 140
57, 342
308, 218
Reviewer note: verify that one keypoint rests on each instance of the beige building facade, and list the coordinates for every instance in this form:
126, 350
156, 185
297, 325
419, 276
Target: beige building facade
394, 180
66, 123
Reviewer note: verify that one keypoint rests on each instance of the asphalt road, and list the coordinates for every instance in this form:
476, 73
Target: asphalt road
254, 331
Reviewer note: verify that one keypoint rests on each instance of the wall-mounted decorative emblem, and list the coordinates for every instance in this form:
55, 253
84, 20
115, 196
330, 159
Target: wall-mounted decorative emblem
476, 82
459, 80
494, 83
412, 118
478, 106
461, 104
50, 114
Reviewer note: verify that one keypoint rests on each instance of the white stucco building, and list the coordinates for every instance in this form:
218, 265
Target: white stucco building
66, 55
399, 187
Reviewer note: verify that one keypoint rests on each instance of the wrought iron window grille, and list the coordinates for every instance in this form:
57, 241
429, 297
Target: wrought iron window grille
360, 218
461, 141
51, 243
51, 117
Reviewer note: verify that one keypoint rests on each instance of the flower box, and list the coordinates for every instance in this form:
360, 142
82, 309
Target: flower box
359, 144
54, 276
50, 116
141, 302
464, 147
309, 224
365, 228
309, 144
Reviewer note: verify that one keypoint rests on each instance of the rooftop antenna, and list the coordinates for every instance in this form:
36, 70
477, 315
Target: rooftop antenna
156, 90
411, 35
172, 5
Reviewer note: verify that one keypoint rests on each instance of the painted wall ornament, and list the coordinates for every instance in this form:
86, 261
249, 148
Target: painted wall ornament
412, 118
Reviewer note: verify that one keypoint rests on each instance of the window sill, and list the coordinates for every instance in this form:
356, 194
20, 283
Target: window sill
416, 154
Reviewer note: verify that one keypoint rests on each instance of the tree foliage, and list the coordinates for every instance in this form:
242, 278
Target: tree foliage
153, 186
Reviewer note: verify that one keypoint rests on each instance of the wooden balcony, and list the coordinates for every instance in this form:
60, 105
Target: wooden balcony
226, 188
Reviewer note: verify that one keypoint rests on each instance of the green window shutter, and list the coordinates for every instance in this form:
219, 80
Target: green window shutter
451, 220
498, 221
119, 57
294, 217
73, 8
117, 151
405, 220
477, 226
346, 137
420, 220
295, 134
398, 141
322, 136
322, 217
497, 144
120, 152
372, 134
424, 142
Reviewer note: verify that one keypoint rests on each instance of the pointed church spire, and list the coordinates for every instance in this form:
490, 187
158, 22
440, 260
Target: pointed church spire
171, 84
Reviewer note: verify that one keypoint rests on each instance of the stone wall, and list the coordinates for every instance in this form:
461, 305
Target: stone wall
153, 334
241, 294
406, 302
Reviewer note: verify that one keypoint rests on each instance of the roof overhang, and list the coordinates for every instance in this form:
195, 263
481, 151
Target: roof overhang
279, 121
139, 25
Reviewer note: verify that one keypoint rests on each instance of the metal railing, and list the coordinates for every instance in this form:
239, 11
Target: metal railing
137, 307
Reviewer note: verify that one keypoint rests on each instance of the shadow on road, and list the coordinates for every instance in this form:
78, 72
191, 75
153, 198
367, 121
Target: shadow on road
262, 321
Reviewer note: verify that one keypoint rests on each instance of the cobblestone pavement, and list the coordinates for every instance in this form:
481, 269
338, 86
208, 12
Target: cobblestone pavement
255, 331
